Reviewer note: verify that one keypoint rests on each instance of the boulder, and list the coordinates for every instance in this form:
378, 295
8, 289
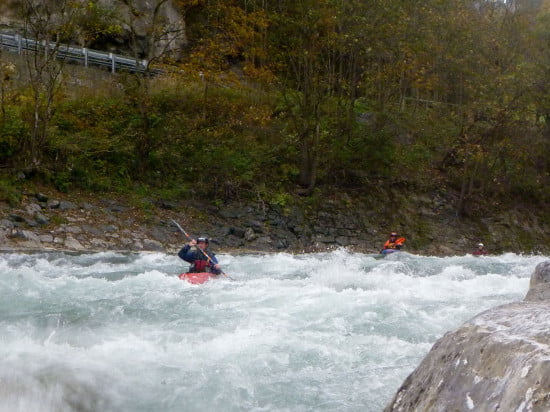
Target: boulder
539, 286
497, 361
152, 245
73, 244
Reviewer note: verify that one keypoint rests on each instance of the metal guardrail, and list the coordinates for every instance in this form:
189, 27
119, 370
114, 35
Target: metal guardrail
78, 55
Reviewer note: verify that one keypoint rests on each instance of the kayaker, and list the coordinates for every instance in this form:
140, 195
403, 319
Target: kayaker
201, 258
480, 250
393, 242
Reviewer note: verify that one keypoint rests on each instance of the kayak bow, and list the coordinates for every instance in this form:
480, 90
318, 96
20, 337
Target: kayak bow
197, 278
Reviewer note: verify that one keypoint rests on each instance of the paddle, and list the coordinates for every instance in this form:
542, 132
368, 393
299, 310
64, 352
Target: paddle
203, 252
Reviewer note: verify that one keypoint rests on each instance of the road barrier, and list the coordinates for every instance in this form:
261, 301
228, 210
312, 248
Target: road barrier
76, 55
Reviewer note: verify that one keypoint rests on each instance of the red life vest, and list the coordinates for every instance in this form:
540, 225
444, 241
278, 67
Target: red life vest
200, 266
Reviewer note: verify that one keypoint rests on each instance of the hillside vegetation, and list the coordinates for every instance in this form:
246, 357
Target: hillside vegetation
273, 100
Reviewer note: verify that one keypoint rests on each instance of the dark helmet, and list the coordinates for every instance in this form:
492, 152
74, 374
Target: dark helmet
393, 234
203, 239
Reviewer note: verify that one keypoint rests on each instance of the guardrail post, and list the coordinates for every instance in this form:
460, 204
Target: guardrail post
85, 53
113, 64
19, 43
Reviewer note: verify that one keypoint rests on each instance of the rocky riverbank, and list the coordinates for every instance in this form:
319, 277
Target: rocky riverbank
81, 222
498, 361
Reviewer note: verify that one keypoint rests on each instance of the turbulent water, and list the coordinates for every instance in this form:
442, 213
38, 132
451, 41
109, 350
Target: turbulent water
334, 331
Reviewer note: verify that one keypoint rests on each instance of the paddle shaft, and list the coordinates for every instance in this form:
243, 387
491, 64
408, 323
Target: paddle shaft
190, 238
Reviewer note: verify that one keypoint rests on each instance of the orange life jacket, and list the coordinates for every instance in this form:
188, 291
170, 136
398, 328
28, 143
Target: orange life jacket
393, 245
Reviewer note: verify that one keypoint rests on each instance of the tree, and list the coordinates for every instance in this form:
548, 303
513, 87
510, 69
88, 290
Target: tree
153, 36
49, 22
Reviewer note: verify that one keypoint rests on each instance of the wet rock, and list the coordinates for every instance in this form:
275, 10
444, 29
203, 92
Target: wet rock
325, 238
73, 229
237, 232
7, 224
499, 360
17, 218
152, 245
66, 205
281, 244
539, 286
31, 222
87, 206
342, 240
53, 204
92, 230
41, 219
98, 244
46, 238
232, 213
117, 209
41, 197
249, 234
126, 242
33, 208
25, 235
159, 233
73, 244
262, 243
257, 226
109, 228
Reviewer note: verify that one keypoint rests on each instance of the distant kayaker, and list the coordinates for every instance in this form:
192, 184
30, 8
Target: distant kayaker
201, 258
480, 250
393, 243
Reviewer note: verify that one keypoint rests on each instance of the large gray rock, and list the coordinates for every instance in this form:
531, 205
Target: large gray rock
539, 286
137, 16
497, 361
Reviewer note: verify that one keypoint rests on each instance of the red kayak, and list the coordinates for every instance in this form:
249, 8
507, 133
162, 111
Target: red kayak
197, 278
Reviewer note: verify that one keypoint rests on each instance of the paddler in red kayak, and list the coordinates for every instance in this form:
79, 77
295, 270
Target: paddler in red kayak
201, 258
393, 243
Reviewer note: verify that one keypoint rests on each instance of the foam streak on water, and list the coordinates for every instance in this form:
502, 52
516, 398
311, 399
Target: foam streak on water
334, 331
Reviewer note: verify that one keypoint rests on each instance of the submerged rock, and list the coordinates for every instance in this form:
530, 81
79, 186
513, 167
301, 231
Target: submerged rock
497, 361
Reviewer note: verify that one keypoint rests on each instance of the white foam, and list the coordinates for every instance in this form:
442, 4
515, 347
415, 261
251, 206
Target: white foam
290, 332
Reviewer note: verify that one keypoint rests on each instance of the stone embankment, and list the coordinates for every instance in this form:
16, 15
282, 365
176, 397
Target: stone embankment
81, 222
42, 223
497, 361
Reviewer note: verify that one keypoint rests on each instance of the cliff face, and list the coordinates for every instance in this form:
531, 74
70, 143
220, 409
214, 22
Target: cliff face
134, 16
499, 360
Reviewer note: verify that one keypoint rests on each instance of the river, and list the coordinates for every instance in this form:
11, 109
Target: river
334, 331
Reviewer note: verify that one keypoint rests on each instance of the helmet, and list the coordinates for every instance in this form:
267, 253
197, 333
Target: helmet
480, 245
203, 239
393, 234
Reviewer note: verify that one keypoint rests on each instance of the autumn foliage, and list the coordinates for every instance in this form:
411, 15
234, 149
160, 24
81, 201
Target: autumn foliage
297, 96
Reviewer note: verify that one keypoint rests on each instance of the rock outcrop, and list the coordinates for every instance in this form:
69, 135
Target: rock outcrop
137, 19
497, 361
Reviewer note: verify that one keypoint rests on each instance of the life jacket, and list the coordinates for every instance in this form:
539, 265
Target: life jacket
392, 245
200, 265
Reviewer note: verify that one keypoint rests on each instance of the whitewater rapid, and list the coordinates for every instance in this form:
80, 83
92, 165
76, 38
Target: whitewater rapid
335, 331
